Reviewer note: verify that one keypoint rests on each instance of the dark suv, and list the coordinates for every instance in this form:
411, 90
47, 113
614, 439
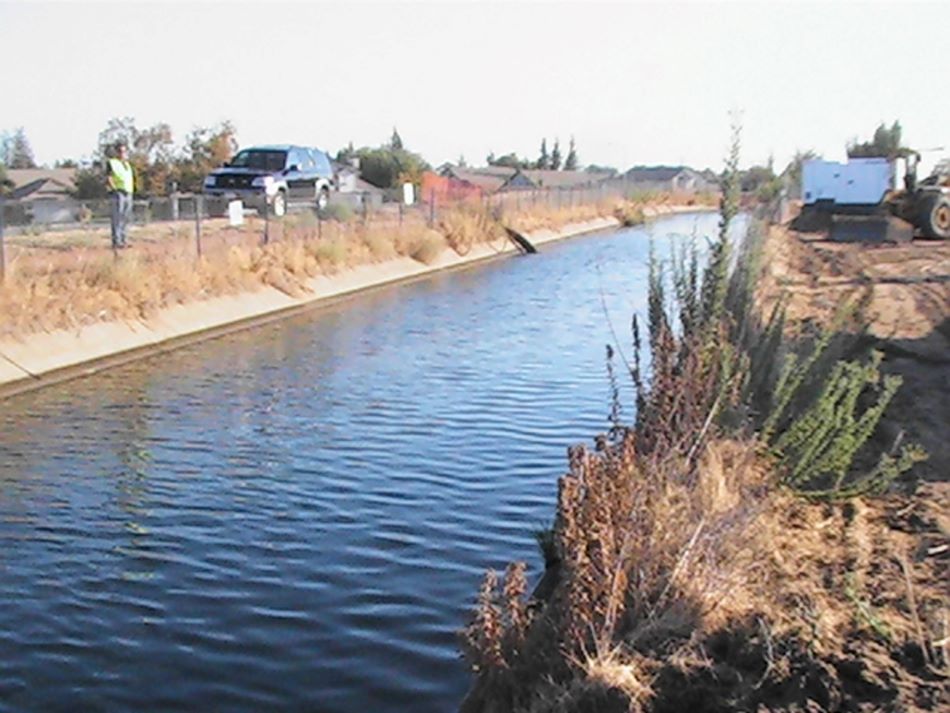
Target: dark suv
274, 176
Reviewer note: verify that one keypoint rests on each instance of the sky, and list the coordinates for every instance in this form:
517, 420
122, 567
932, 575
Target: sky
633, 83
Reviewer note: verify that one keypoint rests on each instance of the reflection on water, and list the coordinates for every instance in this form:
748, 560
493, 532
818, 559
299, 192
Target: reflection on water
298, 516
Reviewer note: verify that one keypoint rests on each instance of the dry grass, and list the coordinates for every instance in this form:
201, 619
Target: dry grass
50, 288
69, 279
679, 589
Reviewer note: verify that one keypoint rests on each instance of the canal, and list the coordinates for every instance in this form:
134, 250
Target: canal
297, 517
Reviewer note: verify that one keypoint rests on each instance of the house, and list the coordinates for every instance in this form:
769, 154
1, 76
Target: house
500, 179
486, 180
345, 174
44, 194
674, 179
546, 178
353, 190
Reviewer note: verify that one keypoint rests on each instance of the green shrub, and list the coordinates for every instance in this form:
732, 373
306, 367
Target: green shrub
340, 212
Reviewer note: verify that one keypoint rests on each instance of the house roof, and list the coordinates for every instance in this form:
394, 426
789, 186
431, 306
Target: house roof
342, 167
494, 178
656, 173
489, 179
367, 187
545, 178
37, 183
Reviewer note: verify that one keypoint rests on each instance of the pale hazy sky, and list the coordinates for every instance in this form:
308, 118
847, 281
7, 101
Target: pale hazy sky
633, 82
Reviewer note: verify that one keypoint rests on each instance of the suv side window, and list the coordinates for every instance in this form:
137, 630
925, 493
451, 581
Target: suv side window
298, 158
321, 163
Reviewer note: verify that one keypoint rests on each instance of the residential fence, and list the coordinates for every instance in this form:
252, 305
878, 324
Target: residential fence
38, 225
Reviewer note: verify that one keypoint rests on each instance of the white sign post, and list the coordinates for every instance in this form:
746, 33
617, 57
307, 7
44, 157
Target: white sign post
408, 193
236, 213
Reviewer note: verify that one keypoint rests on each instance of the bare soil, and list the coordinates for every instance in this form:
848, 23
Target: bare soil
906, 294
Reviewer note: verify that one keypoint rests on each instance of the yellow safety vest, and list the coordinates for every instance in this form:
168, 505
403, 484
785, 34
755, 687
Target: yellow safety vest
120, 173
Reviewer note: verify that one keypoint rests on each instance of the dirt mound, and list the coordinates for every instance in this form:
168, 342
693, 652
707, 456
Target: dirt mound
852, 616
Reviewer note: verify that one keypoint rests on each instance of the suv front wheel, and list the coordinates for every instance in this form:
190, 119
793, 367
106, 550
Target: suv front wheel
279, 204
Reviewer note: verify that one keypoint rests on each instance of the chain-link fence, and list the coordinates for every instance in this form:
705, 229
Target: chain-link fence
56, 225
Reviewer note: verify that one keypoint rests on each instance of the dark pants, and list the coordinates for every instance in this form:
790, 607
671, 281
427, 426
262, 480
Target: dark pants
121, 213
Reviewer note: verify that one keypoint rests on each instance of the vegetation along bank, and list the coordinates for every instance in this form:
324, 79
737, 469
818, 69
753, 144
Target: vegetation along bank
758, 538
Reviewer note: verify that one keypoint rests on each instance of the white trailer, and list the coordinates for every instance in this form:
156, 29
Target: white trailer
861, 182
874, 197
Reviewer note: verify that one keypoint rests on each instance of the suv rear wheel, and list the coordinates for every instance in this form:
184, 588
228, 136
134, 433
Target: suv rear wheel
323, 198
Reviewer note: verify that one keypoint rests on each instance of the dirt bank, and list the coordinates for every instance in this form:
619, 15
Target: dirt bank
905, 290
685, 571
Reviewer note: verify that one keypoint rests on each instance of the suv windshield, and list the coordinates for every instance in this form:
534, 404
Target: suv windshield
260, 160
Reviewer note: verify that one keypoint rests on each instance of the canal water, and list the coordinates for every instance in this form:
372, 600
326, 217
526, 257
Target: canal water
298, 517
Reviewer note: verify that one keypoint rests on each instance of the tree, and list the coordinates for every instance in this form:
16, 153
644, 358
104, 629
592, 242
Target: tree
556, 156
90, 183
509, 160
395, 143
6, 185
885, 144
570, 163
150, 152
17, 152
66, 163
205, 149
793, 171
345, 155
607, 170
544, 160
761, 181
389, 167
461, 162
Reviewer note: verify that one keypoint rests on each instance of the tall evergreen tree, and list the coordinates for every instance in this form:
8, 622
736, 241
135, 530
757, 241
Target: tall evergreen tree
885, 144
5, 183
395, 143
19, 154
556, 156
570, 163
345, 154
544, 160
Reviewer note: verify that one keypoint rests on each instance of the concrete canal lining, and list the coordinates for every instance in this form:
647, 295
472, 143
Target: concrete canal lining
47, 358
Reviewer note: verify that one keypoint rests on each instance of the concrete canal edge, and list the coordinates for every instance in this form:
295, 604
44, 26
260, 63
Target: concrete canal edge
48, 358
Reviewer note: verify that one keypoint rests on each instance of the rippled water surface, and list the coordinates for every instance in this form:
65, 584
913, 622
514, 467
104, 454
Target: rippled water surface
297, 517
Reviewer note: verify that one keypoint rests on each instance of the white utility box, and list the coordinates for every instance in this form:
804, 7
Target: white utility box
859, 182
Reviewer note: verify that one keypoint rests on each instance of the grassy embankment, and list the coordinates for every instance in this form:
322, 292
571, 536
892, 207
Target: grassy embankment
726, 551
59, 281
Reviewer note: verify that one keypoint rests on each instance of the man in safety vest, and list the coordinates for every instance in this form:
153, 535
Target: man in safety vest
121, 186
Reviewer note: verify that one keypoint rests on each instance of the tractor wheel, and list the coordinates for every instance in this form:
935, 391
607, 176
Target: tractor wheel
934, 216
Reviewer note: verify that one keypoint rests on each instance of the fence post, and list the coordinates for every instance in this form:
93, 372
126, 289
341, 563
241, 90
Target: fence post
199, 208
3, 249
400, 213
266, 221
